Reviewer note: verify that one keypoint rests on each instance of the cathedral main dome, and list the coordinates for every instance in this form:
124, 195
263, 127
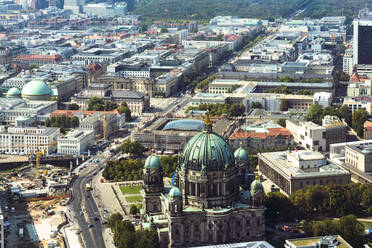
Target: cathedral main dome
207, 151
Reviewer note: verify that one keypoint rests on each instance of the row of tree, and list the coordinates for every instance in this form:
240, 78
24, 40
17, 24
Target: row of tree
331, 200
355, 120
64, 122
207, 9
348, 227
126, 236
131, 169
219, 109
98, 104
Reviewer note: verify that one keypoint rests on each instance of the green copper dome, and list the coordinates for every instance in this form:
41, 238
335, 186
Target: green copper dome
241, 154
35, 90
13, 92
207, 151
152, 162
174, 192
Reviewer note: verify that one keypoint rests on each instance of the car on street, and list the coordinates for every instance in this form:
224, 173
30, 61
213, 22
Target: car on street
81, 213
90, 225
96, 218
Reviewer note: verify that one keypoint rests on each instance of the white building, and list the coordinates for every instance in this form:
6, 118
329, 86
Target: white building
13, 108
76, 142
347, 65
105, 9
323, 98
25, 139
308, 134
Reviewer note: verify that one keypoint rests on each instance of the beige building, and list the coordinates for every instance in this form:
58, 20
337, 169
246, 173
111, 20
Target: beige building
294, 170
359, 156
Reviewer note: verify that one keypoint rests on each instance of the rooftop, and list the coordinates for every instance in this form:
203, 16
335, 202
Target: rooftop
310, 242
284, 162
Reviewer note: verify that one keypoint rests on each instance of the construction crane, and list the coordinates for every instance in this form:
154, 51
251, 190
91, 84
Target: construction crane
38, 152
104, 126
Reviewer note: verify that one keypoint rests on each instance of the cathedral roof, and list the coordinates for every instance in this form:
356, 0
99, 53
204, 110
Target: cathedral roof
152, 162
207, 151
241, 154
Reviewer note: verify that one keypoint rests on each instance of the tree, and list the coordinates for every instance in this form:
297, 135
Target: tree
344, 77
123, 108
358, 118
133, 209
147, 238
315, 113
96, 104
133, 148
114, 219
277, 205
73, 106
281, 122
351, 230
330, 111
256, 105
345, 113
283, 105
337, 200
108, 106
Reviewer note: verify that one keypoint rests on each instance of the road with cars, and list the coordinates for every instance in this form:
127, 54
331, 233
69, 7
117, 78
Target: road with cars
85, 209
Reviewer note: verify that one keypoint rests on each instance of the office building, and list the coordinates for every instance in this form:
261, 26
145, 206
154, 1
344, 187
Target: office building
294, 170
318, 137
76, 142
362, 43
27, 140
347, 62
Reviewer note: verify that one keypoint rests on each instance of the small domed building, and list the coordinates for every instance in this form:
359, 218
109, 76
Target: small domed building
13, 93
36, 90
209, 203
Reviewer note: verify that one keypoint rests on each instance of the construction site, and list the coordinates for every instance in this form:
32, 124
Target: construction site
33, 202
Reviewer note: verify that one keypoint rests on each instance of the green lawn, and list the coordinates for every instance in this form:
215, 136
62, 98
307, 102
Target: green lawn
133, 198
135, 189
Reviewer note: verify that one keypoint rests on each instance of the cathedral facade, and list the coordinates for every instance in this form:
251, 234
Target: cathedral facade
213, 199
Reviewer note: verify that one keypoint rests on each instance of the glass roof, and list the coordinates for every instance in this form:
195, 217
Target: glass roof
185, 125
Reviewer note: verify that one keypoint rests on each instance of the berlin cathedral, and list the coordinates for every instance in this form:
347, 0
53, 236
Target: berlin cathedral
214, 199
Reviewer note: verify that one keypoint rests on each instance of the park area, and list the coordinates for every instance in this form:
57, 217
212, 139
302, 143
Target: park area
131, 193
130, 190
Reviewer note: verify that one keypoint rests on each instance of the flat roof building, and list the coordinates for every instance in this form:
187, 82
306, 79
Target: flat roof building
76, 142
25, 139
294, 170
335, 241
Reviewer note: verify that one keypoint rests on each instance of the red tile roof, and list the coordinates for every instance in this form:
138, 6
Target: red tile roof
355, 78
273, 132
71, 113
